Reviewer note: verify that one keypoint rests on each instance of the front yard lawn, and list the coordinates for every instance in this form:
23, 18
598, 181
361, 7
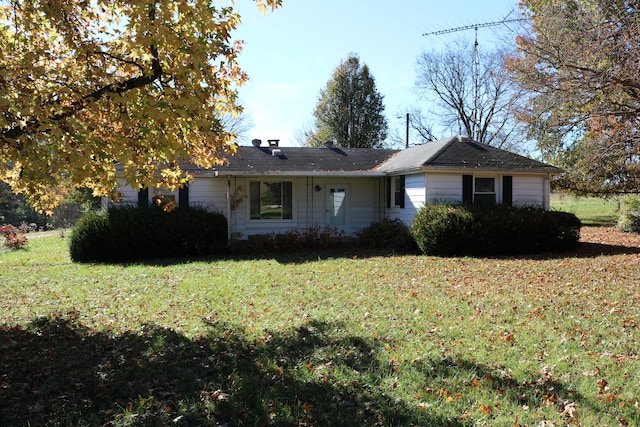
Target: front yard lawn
323, 339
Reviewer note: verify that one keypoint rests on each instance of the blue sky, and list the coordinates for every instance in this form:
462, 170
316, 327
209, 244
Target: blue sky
291, 53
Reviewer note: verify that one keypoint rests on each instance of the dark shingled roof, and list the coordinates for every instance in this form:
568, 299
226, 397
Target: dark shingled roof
456, 153
304, 160
461, 153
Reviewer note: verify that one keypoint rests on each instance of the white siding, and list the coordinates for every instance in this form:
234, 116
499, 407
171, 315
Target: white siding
209, 193
416, 196
414, 199
364, 205
444, 188
310, 205
128, 194
529, 191
366, 199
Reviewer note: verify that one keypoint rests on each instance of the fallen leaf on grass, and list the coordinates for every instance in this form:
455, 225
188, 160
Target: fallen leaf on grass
568, 408
602, 385
510, 338
486, 409
593, 373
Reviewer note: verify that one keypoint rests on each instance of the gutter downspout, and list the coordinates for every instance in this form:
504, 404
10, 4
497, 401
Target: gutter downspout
546, 192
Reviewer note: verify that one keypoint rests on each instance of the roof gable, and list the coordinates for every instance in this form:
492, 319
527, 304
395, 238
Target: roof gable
462, 153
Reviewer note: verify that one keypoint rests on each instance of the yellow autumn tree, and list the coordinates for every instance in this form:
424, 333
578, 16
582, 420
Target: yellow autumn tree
88, 84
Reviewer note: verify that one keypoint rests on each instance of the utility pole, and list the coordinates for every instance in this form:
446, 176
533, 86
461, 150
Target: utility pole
407, 128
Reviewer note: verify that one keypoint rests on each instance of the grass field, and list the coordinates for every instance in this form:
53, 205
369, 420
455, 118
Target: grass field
591, 210
323, 339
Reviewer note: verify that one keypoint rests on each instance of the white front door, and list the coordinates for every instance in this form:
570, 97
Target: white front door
337, 206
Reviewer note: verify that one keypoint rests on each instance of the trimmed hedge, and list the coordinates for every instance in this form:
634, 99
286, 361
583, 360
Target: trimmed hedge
388, 234
312, 238
125, 233
447, 230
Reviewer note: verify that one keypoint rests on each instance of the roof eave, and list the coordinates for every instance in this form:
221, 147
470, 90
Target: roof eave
300, 173
523, 171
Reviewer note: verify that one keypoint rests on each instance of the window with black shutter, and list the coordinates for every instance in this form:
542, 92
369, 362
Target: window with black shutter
388, 190
143, 197
467, 188
507, 190
183, 196
398, 193
484, 191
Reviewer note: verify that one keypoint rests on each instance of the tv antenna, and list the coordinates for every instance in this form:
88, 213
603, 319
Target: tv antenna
475, 59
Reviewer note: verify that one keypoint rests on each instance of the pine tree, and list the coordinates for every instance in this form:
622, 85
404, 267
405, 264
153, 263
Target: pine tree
350, 111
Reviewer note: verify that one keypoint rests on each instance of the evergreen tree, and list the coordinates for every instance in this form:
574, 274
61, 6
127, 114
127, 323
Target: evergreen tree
350, 111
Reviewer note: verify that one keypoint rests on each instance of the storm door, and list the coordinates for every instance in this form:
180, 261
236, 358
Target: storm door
337, 207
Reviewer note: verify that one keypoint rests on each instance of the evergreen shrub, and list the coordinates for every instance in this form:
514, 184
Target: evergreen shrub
442, 229
125, 234
312, 238
388, 234
447, 230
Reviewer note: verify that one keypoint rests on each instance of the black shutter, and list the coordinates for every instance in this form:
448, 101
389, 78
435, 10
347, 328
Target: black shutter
401, 190
507, 190
388, 183
143, 198
467, 188
183, 196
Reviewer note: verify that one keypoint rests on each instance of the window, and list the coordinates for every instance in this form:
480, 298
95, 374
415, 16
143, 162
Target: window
484, 191
398, 193
164, 198
271, 200
143, 197
395, 191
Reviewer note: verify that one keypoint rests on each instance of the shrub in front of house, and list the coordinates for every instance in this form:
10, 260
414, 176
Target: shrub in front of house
388, 234
125, 234
447, 230
312, 238
442, 229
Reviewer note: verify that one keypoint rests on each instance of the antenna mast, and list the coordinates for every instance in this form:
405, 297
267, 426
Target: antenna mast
472, 27
475, 59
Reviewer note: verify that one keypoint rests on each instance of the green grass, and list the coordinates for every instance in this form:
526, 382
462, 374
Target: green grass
592, 211
319, 339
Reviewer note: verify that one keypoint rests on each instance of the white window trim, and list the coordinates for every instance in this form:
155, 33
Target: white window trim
395, 188
253, 221
496, 187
